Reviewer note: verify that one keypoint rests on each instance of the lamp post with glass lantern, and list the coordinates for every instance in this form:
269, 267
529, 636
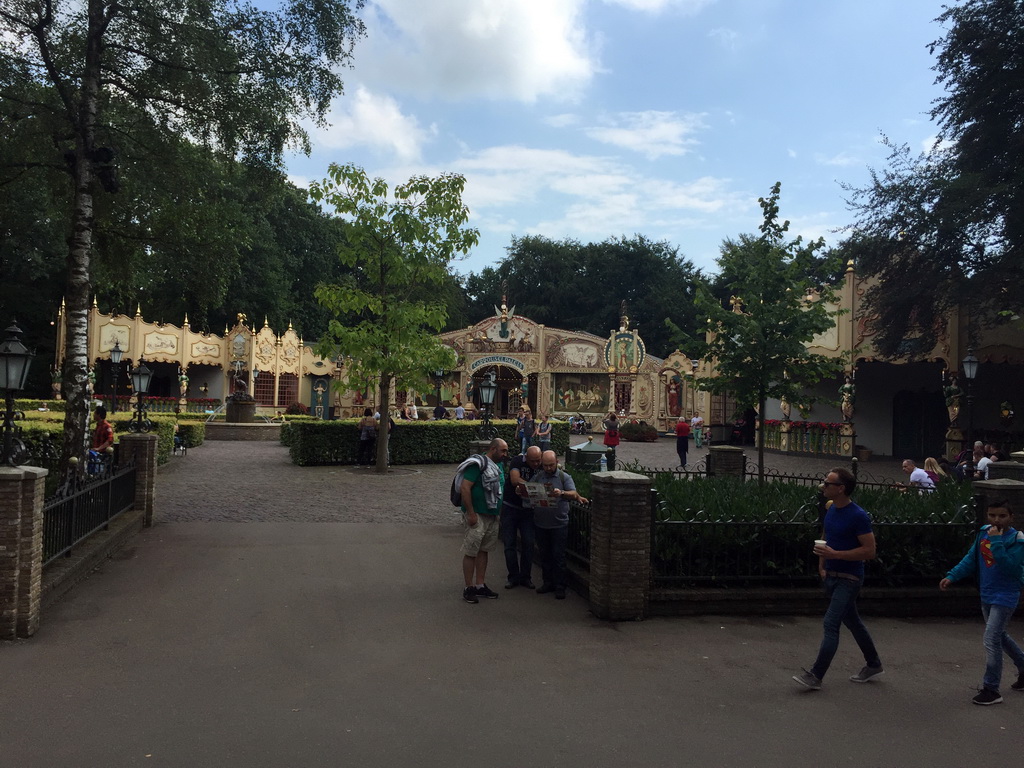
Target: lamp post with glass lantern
487, 388
115, 357
141, 378
970, 364
15, 359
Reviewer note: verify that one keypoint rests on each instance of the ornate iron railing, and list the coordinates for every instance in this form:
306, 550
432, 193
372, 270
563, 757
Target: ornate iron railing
84, 506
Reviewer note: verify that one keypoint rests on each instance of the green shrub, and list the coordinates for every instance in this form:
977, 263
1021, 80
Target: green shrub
412, 442
638, 433
193, 433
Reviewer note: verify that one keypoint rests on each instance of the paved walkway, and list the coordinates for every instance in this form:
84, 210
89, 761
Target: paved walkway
329, 632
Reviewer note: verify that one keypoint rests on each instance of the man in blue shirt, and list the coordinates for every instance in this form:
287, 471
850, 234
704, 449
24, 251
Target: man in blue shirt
849, 541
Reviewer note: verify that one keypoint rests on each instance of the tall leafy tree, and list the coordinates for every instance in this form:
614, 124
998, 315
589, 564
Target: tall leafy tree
758, 339
222, 73
945, 228
399, 245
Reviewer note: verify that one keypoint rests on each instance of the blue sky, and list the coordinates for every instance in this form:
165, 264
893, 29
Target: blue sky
590, 119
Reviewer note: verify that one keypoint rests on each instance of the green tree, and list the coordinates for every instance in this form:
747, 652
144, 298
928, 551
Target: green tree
759, 341
399, 244
219, 72
945, 228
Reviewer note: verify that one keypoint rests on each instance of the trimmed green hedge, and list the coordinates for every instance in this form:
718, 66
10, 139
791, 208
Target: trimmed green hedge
52, 423
638, 433
412, 442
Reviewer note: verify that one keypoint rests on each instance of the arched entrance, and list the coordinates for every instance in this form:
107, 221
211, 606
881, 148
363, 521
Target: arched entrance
514, 390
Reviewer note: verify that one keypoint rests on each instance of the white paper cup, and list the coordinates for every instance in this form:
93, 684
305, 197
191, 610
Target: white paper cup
820, 542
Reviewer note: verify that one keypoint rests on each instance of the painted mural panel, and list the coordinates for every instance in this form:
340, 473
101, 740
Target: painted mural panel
572, 353
581, 392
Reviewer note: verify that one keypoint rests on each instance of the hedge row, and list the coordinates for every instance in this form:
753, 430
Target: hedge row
51, 423
422, 442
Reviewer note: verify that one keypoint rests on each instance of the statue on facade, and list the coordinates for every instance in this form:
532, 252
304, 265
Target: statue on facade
952, 393
673, 396
848, 393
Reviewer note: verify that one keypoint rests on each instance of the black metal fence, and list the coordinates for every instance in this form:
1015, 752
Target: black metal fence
697, 549
577, 546
80, 509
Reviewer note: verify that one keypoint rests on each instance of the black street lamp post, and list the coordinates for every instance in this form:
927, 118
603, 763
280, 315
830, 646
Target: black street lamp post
15, 359
970, 364
141, 377
487, 388
115, 357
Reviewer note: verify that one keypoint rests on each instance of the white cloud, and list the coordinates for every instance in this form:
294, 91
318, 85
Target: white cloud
727, 38
499, 49
842, 159
368, 119
656, 6
650, 133
590, 197
564, 120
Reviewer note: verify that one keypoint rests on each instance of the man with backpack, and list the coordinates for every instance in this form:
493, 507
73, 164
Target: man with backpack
481, 488
551, 523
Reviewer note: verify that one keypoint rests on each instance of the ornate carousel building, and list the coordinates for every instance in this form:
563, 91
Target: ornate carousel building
550, 370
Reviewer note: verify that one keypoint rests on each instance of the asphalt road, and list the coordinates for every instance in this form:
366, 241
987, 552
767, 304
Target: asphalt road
223, 637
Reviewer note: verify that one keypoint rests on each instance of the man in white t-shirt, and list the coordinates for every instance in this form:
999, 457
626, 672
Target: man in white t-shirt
697, 430
918, 477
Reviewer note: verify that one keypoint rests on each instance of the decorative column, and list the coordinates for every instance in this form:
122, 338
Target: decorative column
21, 550
620, 545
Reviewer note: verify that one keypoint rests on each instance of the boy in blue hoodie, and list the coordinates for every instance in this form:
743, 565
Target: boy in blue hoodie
996, 558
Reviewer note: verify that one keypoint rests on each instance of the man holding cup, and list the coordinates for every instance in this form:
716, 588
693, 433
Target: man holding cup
846, 543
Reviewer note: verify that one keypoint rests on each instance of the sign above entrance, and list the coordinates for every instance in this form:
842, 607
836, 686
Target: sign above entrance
505, 360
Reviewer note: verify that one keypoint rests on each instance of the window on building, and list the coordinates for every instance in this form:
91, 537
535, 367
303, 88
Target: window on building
287, 389
263, 390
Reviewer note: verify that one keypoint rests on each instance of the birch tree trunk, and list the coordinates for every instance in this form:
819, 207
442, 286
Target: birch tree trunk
79, 286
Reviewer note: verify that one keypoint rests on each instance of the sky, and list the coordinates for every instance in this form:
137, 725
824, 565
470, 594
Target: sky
598, 119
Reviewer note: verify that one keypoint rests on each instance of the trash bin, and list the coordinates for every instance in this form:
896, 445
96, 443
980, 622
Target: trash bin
586, 455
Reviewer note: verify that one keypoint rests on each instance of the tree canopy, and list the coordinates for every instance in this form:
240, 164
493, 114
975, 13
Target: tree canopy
399, 245
945, 228
93, 85
567, 284
759, 338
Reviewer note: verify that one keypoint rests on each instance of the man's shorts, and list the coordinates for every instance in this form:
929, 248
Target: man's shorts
483, 537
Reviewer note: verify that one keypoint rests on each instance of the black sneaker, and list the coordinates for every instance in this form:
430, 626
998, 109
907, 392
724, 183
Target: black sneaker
866, 674
469, 595
986, 697
559, 593
485, 592
543, 589
1019, 685
510, 584
528, 584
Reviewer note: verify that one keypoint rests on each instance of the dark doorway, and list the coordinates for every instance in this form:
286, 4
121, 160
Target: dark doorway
919, 422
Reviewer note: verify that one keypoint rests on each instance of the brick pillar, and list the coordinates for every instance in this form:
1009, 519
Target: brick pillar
1011, 490
1011, 470
620, 545
21, 550
141, 448
726, 460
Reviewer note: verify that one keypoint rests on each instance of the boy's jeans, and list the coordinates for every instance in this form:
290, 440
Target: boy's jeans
997, 641
842, 609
